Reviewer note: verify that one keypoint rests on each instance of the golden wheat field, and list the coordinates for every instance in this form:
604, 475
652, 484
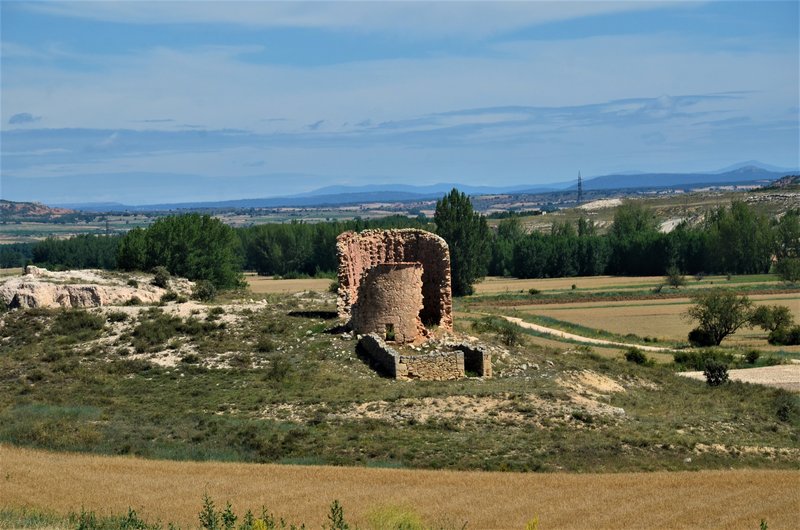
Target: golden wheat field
269, 285
655, 318
173, 491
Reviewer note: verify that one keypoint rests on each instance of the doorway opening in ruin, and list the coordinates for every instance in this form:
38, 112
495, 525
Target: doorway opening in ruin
390, 332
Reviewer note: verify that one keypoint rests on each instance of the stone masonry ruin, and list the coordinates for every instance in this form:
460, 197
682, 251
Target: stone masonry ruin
392, 284
375, 304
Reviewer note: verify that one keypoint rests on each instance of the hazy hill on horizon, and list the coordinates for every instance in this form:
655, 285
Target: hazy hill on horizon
750, 172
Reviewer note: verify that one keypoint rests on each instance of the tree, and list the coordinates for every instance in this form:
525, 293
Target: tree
467, 234
788, 269
674, 277
772, 317
719, 313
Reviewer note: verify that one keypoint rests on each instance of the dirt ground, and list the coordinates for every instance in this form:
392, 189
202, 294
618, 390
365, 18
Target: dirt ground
173, 491
782, 376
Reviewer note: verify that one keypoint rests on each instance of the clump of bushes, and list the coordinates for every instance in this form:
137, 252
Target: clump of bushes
637, 356
204, 291
533, 291
508, 333
161, 277
701, 337
698, 360
716, 373
133, 283
778, 320
78, 325
117, 316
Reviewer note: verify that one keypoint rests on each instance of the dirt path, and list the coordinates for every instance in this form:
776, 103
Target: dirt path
782, 376
173, 491
578, 338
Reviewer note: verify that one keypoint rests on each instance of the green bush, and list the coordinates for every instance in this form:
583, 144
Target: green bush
161, 277
752, 356
533, 291
133, 283
636, 356
133, 300
204, 291
716, 373
508, 333
169, 296
117, 316
78, 325
700, 337
785, 336
698, 360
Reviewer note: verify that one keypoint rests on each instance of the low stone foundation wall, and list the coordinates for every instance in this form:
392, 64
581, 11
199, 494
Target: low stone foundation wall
476, 359
444, 365
437, 366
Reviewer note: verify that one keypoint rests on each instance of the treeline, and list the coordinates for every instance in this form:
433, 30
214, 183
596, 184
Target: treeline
734, 239
201, 247
731, 240
303, 248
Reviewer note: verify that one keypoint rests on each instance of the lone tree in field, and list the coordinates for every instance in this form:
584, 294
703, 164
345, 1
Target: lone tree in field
719, 313
467, 235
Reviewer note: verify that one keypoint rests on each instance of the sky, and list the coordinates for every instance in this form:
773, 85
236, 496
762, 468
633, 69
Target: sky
155, 102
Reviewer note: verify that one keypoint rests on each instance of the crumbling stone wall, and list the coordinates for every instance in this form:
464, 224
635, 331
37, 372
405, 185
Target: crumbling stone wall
360, 252
390, 301
435, 366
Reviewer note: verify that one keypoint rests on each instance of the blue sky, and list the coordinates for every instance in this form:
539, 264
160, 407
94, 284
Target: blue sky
112, 101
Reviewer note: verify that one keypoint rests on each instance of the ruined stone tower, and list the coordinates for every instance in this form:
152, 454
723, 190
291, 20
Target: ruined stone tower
394, 282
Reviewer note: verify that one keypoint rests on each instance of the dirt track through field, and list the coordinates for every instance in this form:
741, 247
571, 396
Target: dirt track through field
172, 491
578, 338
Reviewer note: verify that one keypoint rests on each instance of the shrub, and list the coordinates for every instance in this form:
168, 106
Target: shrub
674, 277
716, 373
574, 286
134, 300
161, 277
636, 356
78, 325
333, 287
133, 283
786, 406
169, 296
117, 316
508, 333
701, 337
265, 345
752, 356
204, 291
698, 360
785, 336
533, 291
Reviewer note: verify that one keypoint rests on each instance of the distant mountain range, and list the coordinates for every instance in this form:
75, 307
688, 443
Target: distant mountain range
751, 172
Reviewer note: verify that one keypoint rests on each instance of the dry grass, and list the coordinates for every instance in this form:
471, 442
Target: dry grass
17, 271
173, 490
656, 318
493, 284
269, 285
496, 285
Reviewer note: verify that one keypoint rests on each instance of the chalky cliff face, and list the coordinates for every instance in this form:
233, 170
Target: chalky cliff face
382, 273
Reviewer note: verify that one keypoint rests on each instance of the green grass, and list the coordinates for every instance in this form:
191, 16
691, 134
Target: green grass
278, 388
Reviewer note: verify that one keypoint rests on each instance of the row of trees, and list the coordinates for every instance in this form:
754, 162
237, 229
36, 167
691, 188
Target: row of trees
733, 239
